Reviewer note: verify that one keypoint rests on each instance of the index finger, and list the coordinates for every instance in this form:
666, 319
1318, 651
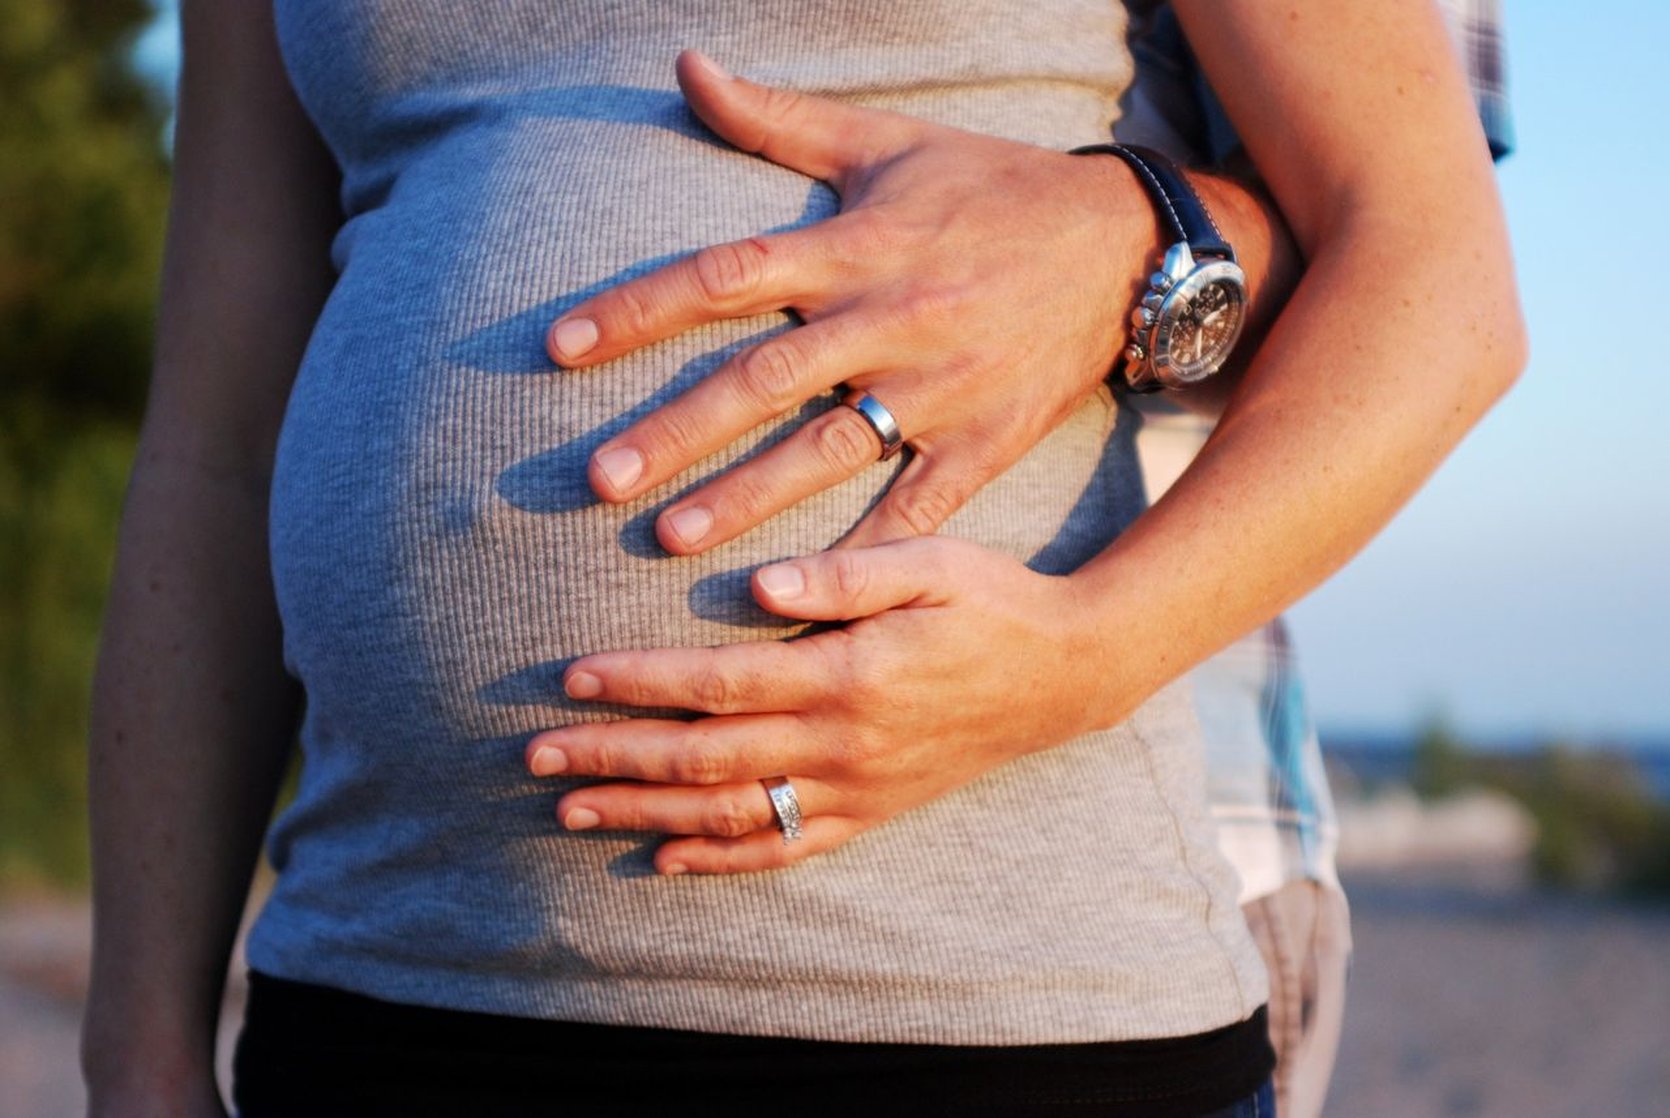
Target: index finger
732, 280
751, 678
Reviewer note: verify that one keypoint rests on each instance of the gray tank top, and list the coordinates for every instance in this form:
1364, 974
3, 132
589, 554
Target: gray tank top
438, 558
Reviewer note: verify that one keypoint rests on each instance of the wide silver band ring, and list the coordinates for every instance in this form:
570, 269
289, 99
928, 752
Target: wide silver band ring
787, 806
881, 421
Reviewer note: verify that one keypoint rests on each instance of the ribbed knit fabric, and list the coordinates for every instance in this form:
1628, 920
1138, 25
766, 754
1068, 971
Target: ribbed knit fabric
438, 557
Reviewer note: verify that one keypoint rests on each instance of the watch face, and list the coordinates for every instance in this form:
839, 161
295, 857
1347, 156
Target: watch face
1199, 323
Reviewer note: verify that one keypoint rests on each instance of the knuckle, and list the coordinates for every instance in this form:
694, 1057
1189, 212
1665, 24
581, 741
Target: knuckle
990, 457
923, 508
781, 106
846, 441
730, 272
768, 376
869, 236
623, 814
930, 307
714, 690
590, 757
634, 313
728, 817
670, 435
749, 497
852, 576
697, 764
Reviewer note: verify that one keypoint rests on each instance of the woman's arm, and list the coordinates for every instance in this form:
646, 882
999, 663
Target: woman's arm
193, 714
1404, 330
1402, 333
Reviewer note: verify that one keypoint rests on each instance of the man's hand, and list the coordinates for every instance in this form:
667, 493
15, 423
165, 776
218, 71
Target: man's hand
976, 286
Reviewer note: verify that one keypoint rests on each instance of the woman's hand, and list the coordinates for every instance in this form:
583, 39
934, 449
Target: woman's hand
976, 286
962, 659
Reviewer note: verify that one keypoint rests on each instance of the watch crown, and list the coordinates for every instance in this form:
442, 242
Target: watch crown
1153, 301
1143, 318
1160, 282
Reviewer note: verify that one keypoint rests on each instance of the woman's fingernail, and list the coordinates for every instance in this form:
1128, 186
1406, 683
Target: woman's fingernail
783, 582
582, 685
622, 466
574, 337
673, 869
690, 524
713, 68
548, 761
581, 819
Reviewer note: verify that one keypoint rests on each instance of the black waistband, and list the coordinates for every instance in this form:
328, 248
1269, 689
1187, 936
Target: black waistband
310, 1050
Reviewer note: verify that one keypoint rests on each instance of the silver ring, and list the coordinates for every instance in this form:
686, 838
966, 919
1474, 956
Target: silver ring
787, 806
881, 421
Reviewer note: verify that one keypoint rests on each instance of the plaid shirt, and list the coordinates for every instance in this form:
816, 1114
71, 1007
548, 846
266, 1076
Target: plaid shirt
1265, 782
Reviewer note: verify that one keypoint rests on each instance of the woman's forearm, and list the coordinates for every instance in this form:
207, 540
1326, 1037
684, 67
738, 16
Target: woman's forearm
1403, 331
1353, 401
192, 720
193, 713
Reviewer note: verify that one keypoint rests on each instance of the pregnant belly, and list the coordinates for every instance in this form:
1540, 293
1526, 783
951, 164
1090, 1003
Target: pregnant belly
438, 559
437, 554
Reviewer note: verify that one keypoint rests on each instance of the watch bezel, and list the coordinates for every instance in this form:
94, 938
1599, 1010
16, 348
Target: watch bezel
1178, 298
1149, 367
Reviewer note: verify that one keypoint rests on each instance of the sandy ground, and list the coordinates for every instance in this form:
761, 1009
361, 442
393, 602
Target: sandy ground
1467, 1000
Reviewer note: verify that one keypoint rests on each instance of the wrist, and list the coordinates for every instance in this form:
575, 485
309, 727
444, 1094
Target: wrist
133, 1052
1123, 244
1114, 668
153, 1082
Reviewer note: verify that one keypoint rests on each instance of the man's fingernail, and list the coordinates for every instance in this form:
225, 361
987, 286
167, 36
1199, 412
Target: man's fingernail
548, 761
581, 819
690, 524
713, 68
782, 582
574, 337
582, 685
622, 466
673, 869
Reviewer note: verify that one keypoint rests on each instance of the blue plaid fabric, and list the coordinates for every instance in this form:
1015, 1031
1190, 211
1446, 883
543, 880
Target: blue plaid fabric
1265, 781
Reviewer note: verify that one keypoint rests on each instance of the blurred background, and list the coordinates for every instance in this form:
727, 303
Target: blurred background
1490, 676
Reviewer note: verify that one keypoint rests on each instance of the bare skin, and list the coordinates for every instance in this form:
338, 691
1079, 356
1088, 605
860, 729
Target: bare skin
194, 713
980, 323
1375, 369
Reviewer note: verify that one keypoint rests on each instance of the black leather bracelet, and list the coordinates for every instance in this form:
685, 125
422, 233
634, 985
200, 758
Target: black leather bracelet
1172, 196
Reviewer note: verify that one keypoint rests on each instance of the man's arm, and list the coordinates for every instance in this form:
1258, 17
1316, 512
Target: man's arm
979, 288
193, 714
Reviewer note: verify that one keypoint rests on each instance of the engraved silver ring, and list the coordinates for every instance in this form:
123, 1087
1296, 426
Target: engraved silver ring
881, 421
787, 806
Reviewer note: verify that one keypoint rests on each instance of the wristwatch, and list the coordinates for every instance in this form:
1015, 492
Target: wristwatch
1189, 319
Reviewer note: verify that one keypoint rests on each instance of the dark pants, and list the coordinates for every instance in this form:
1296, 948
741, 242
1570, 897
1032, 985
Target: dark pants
310, 1050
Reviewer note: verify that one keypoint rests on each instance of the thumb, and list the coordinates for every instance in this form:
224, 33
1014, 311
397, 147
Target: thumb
842, 585
813, 135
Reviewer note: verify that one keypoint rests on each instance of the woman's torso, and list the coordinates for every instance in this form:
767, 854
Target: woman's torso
438, 557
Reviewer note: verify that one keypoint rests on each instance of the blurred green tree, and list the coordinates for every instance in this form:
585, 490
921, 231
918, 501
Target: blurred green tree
83, 191
83, 196
1441, 761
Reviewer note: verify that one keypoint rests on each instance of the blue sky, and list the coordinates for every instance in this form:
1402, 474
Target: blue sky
1523, 592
